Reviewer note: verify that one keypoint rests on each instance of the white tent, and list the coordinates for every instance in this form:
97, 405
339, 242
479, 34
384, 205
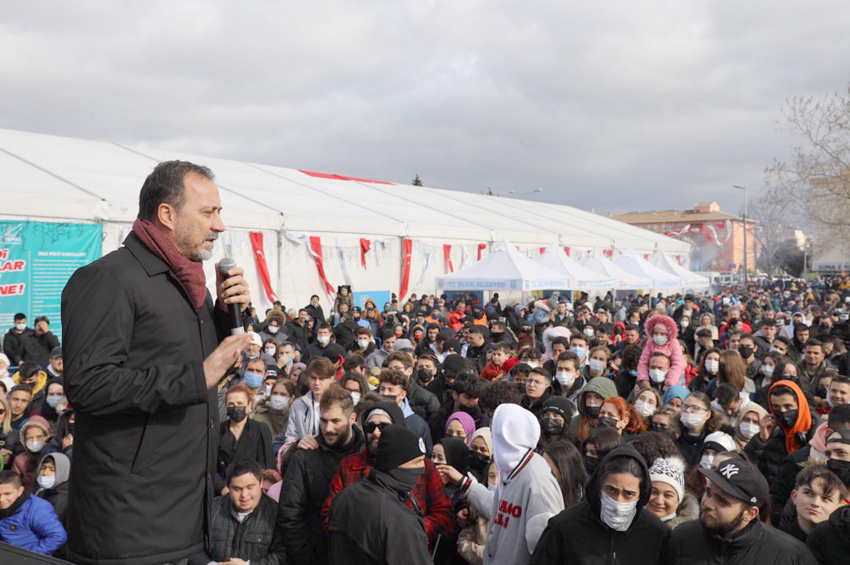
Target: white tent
636, 265
582, 278
691, 280
622, 279
505, 269
55, 179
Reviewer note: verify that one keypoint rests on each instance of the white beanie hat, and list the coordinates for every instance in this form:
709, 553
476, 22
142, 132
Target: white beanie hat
720, 439
670, 470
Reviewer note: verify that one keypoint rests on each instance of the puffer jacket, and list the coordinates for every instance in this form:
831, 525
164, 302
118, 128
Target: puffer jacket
688, 511
675, 376
757, 544
254, 539
578, 535
830, 540
34, 526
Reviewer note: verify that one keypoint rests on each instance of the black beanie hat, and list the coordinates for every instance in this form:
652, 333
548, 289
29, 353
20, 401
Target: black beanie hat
390, 408
454, 363
457, 453
397, 446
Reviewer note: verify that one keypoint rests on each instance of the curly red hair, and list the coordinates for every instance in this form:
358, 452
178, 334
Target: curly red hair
624, 409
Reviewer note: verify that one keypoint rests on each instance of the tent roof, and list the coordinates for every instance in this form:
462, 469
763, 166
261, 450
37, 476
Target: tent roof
504, 269
556, 259
622, 279
692, 280
46, 176
632, 263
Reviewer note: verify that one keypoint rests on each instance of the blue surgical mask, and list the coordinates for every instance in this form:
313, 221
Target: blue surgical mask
579, 351
253, 380
53, 401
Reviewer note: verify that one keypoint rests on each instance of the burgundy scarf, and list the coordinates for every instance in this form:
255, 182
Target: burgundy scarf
188, 272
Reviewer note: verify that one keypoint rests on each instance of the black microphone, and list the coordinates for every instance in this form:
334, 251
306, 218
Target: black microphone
236, 326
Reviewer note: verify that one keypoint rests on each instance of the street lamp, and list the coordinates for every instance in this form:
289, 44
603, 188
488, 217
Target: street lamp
744, 188
525, 193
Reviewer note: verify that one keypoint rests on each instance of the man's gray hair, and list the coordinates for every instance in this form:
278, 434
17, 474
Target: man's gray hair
165, 186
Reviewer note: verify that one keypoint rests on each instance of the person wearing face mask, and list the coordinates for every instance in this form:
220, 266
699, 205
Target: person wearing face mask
368, 522
662, 335
617, 414
13, 341
747, 425
255, 351
782, 432
597, 363
647, 403
612, 522
555, 420
274, 413
814, 452
480, 453
363, 344
715, 442
670, 502
659, 368
308, 476
52, 478
324, 346
34, 436
589, 402
696, 421
568, 380
579, 346
275, 329
242, 439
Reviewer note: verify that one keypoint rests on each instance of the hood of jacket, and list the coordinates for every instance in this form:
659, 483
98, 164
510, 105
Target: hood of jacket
515, 432
63, 467
794, 436
603, 386
593, 491
840, 522
40, 381
667, 322
688, 510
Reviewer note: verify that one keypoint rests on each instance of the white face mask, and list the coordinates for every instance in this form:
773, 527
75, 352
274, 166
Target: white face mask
617, 515
686, 323
588, 331
355, 396
35, 446
279, 402
659, 339
748, 430
767, 370
596, 365
644, 408
712, 366
532, 364
323, 339
363, 343
270, 351
251, 355
273, 329
691, 421
566, 378
492, 487
657, 375
706, 461
20, 327
46, 482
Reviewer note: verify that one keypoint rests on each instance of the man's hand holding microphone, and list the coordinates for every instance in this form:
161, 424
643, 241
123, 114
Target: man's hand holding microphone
233, 297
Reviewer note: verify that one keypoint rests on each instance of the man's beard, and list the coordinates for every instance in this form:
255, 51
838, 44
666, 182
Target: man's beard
341, 439
195, 251
721, 530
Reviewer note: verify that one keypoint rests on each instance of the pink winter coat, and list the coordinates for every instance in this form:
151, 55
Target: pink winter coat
671, 349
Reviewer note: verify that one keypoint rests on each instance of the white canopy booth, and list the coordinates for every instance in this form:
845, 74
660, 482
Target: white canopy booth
690, 279
637, 266
623, 280
555, 258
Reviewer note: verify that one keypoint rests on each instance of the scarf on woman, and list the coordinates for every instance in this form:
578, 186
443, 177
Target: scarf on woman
188, 272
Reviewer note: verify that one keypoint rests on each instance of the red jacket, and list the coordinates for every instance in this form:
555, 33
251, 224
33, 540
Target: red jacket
429, 493
456, 320
491, 371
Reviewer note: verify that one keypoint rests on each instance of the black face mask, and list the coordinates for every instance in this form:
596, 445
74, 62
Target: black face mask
389, 398
841, 469
788, 418
590, 465
424, 375
237, 413
607, 422
745, 352
478, 462
466, 409
550, 427
592, 411
407, 478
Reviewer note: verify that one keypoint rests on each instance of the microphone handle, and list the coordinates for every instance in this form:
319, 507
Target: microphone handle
236, 326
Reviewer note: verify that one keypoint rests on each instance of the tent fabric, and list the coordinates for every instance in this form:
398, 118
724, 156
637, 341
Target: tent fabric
690, 279
623, 280
52, 178
582, 278
635, 265
505, 269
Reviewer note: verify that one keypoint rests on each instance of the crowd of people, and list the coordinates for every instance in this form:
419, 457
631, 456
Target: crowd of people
639, 429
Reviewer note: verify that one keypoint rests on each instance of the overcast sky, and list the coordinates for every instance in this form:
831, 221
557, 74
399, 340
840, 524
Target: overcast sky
612, 106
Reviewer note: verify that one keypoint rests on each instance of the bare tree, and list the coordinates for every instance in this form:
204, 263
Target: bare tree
773, 211
818, 175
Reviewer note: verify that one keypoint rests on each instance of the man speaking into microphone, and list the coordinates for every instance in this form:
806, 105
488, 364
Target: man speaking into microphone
145, 348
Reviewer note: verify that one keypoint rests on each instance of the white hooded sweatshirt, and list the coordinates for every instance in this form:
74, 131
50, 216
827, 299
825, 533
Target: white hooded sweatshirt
528, 494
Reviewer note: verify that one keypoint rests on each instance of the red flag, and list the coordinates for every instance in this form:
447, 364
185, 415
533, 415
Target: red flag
481, 247
542, 250
262, 267
316, 246
608, 252
447, 253
406, 250
365, 246
567, 251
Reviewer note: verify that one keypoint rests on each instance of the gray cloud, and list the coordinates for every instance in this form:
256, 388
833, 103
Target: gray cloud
613, 106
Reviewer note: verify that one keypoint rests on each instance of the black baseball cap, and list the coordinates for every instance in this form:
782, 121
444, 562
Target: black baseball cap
740, 479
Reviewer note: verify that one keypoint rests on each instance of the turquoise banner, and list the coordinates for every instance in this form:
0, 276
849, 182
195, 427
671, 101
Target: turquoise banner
36, 261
